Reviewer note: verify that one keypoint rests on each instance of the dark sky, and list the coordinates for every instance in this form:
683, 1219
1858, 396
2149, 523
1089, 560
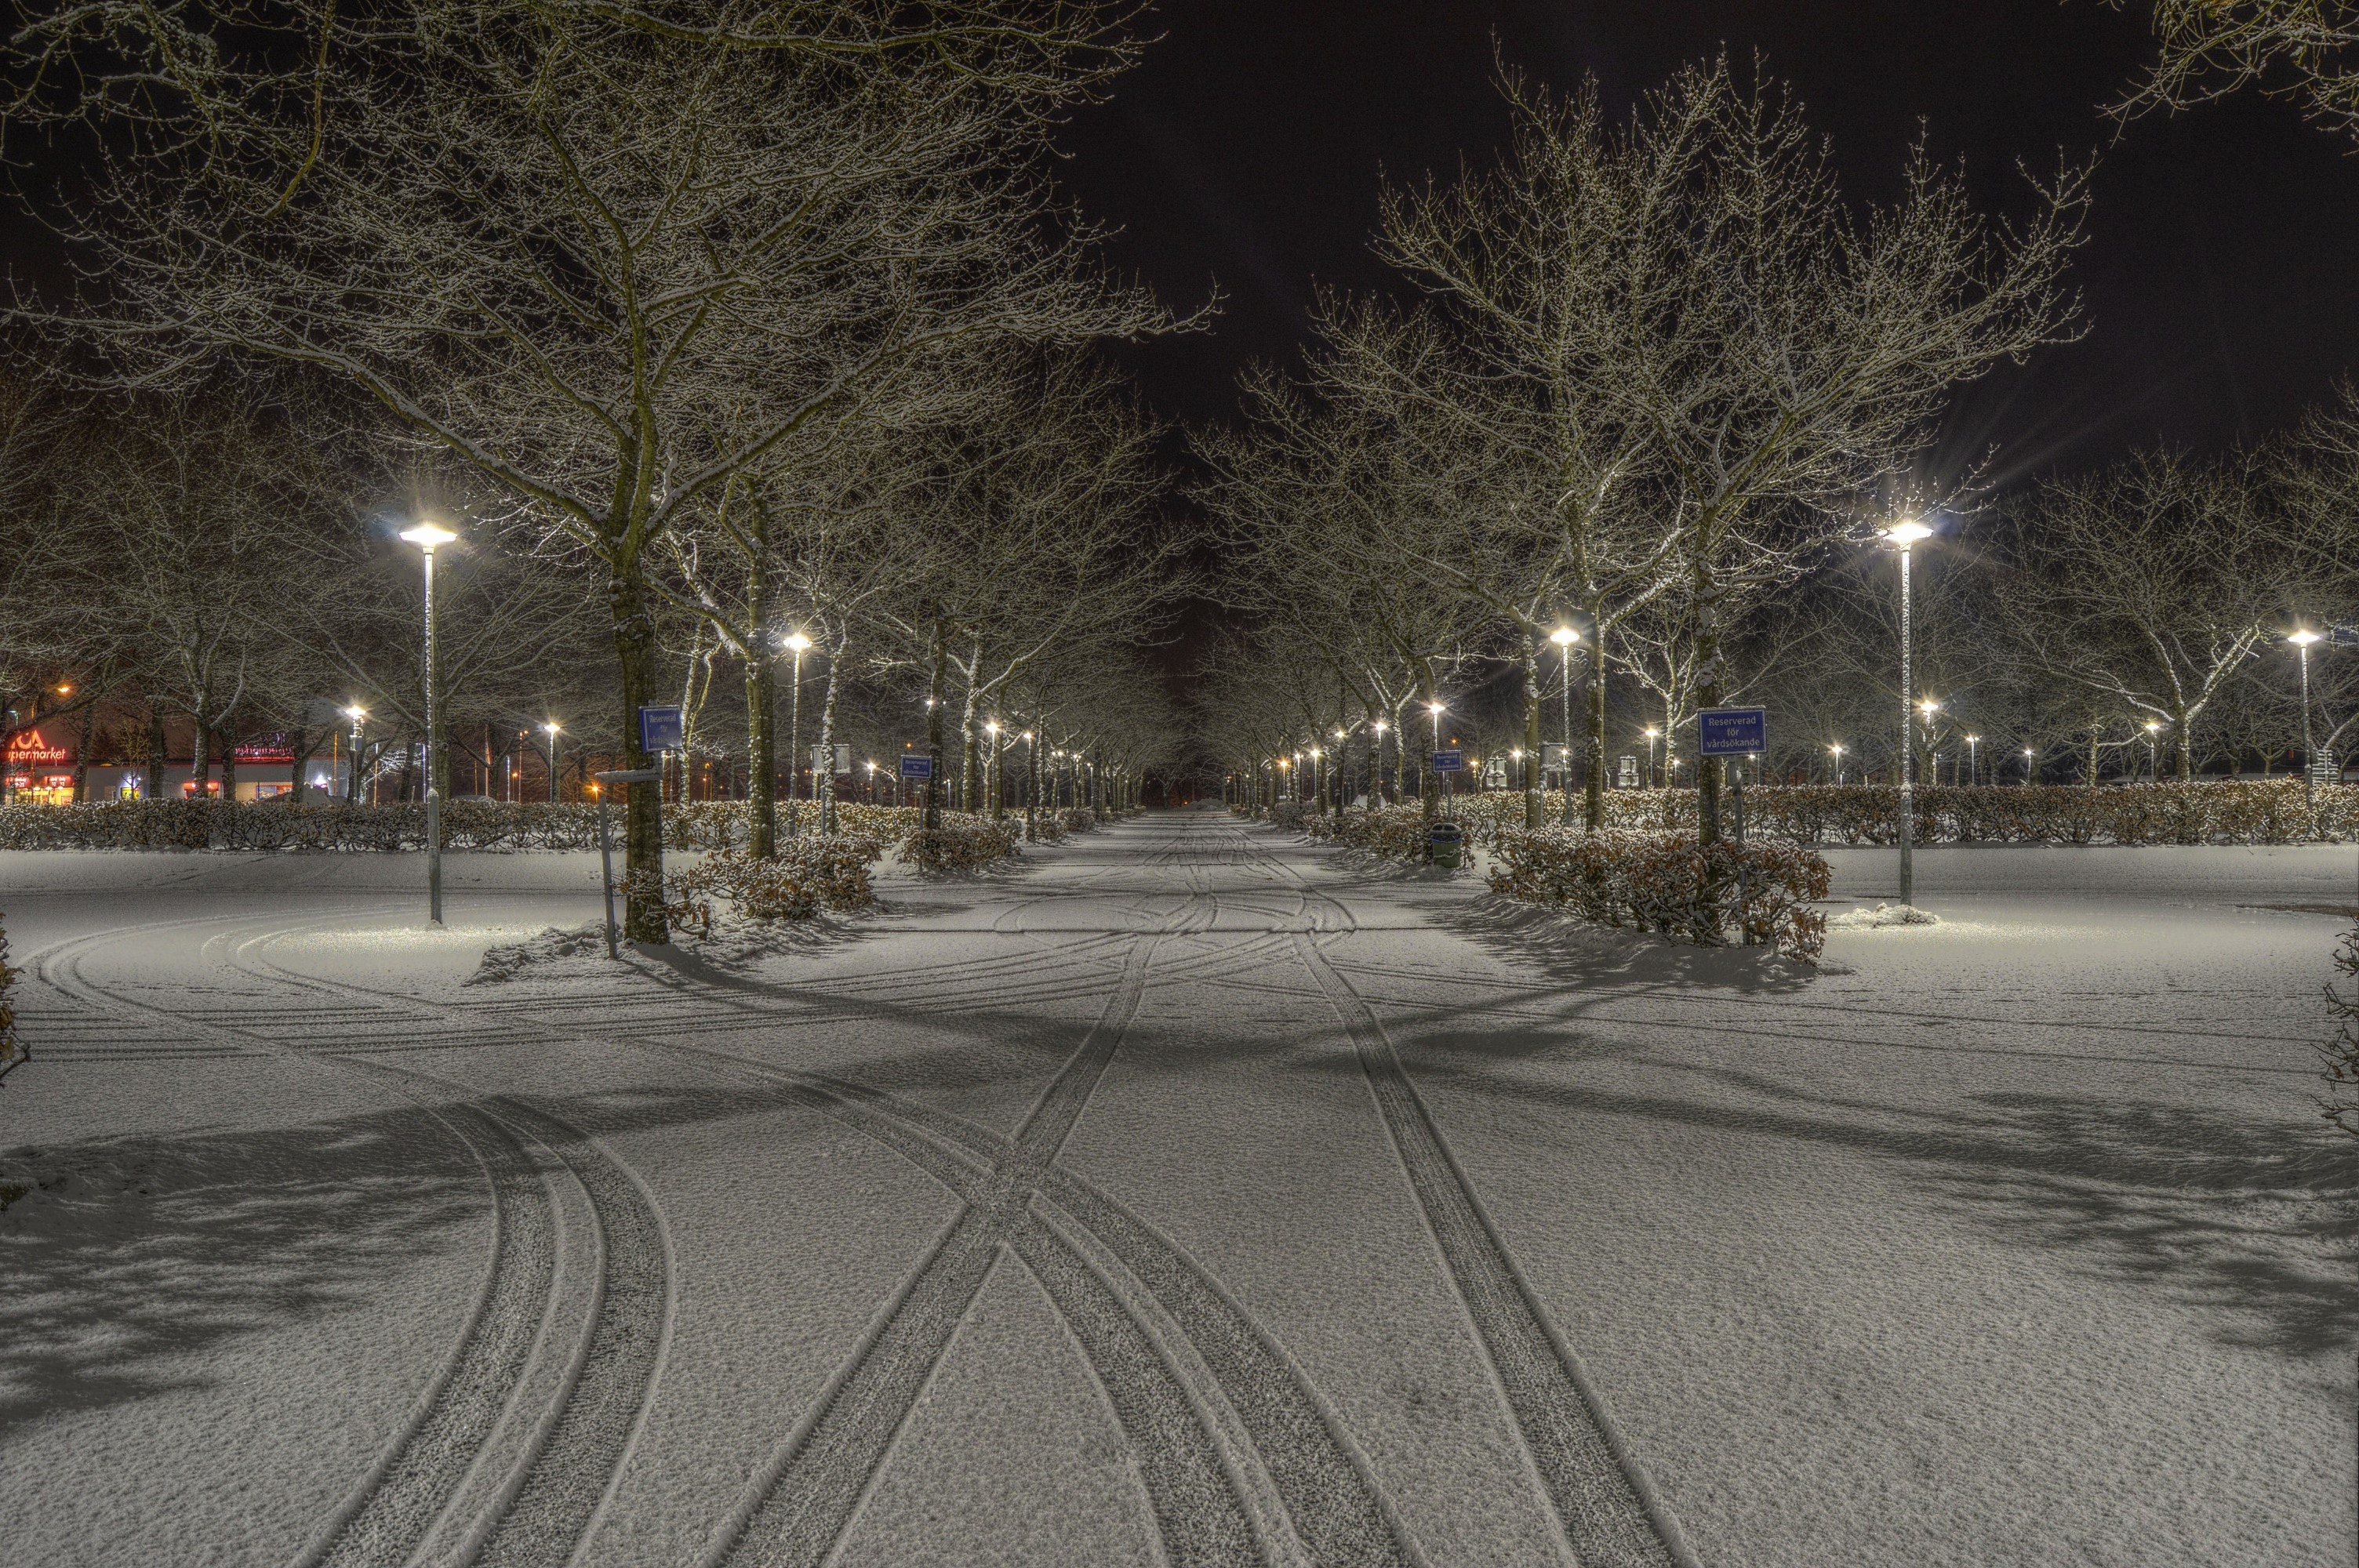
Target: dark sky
2218, 279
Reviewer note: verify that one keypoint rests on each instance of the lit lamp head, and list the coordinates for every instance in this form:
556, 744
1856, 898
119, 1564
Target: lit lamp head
991, 725
1378, 726
2302, 639
796, 642
1652, 732
356, 713
1027, 737
552, 726
1930, 707
2151, 725
427, 537
1907, 533
1435, 708
1836, 749
1564, 636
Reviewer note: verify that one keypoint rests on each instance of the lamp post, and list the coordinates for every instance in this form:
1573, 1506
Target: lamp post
2153, 767
359, 715
1031, 785
991, 786
552, 729
1376, 765
2301, 641
2031, 767
796, 644
1564, 637
1902, 536
1434, 710
1973, 760
427, 536
1836, 753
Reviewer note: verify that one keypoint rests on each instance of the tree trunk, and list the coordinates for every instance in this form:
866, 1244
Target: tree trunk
81, 755
938, 678
1535, 802
200, 761
824, 777
1709, 770
761, 756
635, 653
155, 784
299, 746
970, 752
227, 740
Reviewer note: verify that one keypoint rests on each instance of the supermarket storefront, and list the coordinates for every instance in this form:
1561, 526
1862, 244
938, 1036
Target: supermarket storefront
38, 770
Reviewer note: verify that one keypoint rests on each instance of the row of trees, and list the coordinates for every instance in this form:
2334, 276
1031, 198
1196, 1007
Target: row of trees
712, 323
1659, 385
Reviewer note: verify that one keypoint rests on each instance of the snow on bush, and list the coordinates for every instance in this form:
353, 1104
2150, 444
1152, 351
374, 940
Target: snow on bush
2227, 811
2341, 1054
1045, 828
1664, 883
1393, 832
962, 844
806, 875
1882, 916
1289, 814
12, 1049
1077, 820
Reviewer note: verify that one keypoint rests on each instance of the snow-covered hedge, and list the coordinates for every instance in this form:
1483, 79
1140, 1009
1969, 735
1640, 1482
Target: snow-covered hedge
1664, 883
12, 1049
273, 825
2252, 811
962, 844
809, 874
1077, 820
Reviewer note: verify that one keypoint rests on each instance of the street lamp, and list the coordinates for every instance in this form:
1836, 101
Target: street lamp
359, 715
990, 787
2031, 767
2301, 641
2153, 769
1836, 753
798, 644
1376, 764
1564, 637
427, 536
1973, 760
1902, 536
1435, 710
1652, 735
552, 729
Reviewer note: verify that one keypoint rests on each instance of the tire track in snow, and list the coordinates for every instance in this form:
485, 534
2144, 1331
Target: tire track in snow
383, 1520
1610, 1513
811, 1491
551, 1504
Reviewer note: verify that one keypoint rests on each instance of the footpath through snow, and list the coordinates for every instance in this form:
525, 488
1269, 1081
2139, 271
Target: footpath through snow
1185, 1195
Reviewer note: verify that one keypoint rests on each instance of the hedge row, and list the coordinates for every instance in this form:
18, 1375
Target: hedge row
806, 875
2233, 812
962, 844
1664, 883
12, 1049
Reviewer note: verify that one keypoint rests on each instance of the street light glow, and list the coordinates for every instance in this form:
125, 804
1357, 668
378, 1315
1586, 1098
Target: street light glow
426, 536
2302, 639
1907, 533
1564, 636
795, 641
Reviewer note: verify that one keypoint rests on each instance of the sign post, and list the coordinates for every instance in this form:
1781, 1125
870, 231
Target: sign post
607, 782
1735, 732
1446, 762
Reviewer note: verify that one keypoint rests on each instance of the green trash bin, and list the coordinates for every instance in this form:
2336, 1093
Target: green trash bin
1445, 845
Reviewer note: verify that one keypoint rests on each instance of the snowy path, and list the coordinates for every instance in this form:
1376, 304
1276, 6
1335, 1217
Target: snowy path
1185, 1196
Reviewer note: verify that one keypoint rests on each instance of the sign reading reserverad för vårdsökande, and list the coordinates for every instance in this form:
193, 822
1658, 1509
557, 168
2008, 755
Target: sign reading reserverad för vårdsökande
1732, 731
1449, 761
916, 767
658, 728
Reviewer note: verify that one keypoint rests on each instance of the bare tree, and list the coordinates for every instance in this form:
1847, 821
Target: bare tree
555, 243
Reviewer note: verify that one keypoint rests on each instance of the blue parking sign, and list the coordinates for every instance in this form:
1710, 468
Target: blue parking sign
916, 767
658, 728
1449, 761
1732, 731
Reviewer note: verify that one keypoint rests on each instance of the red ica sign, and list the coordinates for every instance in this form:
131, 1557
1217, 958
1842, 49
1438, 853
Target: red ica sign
27, 750
268, 749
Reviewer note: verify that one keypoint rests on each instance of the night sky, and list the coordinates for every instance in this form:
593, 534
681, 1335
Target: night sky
2218, 278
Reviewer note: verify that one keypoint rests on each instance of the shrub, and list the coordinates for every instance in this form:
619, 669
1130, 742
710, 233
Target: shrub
1664, 883
12, 1049
1077, 820
808, 874
1045, 828
1288, 814
1392, 832
961, 845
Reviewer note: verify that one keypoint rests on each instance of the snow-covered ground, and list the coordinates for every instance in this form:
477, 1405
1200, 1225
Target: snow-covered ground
1187, 1196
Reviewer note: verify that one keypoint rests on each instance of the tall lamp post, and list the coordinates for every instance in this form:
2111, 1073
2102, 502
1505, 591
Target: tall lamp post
551, 730
1564, 637
1435, 710
2153, 763
1377, 766
2301, 641
1902, 536
798, 644
359, 715
1973, 760
1836, 753
1652, 733
991, 786
427, 536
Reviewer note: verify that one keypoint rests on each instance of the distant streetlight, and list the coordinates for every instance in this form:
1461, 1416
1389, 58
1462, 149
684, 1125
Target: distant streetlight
1973, 760
1902, 537
1652, 735
798, 644
552, 729
359, 715
1436, 710
991, 786
1836, 753
2301, 641
2031, 767
1376, 764
427, 536
1564, 637
2153, 770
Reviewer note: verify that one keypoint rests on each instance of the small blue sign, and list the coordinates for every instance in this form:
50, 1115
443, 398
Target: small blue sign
916, 767
1449, 761
1732, 731
658, 728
